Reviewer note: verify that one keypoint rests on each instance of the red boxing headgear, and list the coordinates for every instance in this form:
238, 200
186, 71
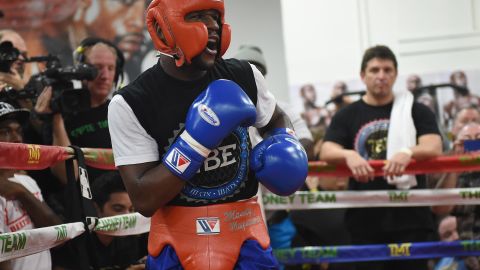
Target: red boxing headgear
184, 40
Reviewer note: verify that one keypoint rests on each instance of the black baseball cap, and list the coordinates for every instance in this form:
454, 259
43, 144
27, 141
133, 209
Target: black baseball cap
7, 111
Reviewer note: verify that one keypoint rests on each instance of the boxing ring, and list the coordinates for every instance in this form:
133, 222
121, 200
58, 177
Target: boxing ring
37, 157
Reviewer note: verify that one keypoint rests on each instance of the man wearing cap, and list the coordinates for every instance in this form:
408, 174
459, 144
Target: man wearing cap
21, 201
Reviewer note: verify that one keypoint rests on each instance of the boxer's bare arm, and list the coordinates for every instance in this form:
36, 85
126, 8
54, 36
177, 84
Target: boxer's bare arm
150, 186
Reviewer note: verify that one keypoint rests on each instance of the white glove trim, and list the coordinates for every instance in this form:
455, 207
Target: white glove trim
199, 148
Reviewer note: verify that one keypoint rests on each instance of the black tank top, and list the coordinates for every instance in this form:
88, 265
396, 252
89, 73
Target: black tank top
160, 104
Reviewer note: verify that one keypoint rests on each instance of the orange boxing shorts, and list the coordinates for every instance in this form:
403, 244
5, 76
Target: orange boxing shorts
207, 237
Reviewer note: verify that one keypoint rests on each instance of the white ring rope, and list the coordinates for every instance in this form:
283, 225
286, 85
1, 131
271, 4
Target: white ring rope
379, 198
23, 243
27, 242
129, 224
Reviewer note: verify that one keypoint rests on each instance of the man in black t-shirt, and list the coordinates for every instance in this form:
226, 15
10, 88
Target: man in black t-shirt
111, 199
180, 141
86, 127
360, 132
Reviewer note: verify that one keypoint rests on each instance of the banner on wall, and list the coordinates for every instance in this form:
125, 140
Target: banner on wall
58, 26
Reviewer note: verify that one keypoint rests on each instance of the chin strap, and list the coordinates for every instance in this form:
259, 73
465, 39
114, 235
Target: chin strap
174, 56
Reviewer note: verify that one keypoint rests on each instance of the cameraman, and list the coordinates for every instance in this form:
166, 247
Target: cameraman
86, 127
17, 76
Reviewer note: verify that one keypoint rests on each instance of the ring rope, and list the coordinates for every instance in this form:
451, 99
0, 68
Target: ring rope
441, 164
27, 242
39, 157
379, 252
122, 225
378, 198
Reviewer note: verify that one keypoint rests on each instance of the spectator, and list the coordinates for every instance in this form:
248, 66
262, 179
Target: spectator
17, 76
469, 131
467, 214
87, 126
115, 252
21, 201
360, 132
462, 118
15, 80
447, 230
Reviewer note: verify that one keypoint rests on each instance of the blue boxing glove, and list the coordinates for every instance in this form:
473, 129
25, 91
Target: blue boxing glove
280, 162
214, 114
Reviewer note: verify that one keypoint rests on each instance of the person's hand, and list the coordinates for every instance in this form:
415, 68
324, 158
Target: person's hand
361, 169
136, 267
312, 183
43, 101
10, 190
330, 182
12, 79
396, 165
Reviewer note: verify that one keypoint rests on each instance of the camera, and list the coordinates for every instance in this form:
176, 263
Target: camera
66, 98
8, 55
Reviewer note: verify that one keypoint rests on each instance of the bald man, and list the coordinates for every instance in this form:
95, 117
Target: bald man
17, 77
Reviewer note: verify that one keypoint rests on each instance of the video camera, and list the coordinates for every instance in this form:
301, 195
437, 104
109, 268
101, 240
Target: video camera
8, 55
66, 98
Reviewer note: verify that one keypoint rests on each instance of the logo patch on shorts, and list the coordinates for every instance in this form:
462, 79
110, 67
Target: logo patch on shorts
178, 161
208, 225
208, 115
